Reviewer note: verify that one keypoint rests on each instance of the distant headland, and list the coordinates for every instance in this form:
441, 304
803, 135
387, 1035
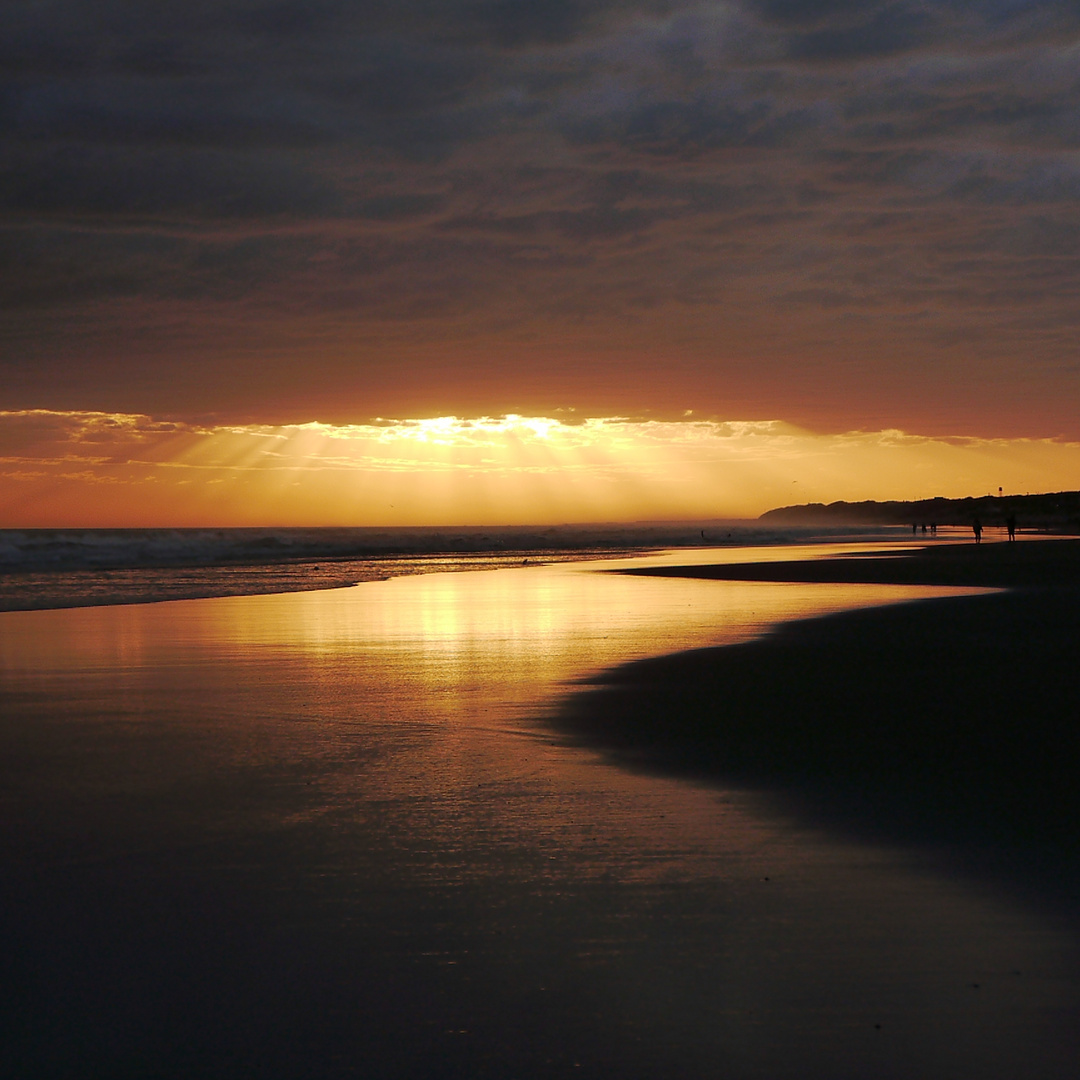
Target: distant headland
1059, 511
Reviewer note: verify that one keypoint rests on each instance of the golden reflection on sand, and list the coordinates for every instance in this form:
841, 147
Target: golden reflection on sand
531, 627
364, 768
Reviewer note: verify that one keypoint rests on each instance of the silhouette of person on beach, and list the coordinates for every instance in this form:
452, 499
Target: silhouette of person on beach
1010, 524
976, 527
914, 529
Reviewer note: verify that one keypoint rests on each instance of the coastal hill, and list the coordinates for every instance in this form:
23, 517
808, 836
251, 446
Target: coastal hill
1059, 511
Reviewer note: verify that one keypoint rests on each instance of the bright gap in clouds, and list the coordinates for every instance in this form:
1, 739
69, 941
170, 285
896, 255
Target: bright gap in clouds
101, 469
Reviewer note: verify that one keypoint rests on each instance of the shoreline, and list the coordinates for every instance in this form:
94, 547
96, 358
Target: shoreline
54, 590
56, 568
947, 724
1046, 564
310, 838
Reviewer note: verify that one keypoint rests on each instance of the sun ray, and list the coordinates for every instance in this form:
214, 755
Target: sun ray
79, 468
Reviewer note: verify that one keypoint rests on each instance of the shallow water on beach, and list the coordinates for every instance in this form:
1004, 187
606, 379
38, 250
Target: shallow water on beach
327, 833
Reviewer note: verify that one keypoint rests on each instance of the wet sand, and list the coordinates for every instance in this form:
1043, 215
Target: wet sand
329, 834
1050, 565
946, 723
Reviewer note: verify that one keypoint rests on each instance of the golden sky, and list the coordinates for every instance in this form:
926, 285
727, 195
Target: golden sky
96, 469
842, 234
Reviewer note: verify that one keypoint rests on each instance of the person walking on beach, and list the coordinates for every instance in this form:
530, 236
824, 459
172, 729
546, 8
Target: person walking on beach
1010, 524
976, 527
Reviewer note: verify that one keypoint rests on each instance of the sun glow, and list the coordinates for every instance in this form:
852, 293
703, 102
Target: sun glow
92, 468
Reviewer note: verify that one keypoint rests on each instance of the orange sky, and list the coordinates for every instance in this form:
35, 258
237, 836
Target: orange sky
824, 218
96, 469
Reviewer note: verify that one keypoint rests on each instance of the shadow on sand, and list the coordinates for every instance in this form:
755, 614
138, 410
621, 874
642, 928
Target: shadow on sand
950, 724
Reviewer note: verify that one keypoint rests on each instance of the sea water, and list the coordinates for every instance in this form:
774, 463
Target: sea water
327, 833
49, 568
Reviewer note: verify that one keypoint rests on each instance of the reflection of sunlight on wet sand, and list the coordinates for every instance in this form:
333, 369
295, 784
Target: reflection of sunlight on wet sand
366, 754
514, 633
447, 672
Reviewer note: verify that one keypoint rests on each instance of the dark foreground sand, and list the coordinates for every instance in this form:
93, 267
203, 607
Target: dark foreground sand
230, 850
949, 723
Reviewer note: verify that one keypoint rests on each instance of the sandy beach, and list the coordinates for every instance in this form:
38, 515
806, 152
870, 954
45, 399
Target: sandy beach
342, 833
949, 723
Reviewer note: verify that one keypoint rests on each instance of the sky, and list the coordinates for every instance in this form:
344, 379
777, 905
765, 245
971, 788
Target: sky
375, 261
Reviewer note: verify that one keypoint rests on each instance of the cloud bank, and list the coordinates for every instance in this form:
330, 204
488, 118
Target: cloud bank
848, 214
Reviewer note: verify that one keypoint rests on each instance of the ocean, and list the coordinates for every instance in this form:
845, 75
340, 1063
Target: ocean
48, 568
331, 833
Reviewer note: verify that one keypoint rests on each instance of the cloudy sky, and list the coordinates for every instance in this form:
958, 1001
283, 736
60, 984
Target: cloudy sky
832, 217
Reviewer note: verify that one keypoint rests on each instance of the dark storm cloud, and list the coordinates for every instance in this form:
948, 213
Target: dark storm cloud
45, 267
89, 181
505, 162
594, 223
851, 30
893, 29
204, 114
681, 128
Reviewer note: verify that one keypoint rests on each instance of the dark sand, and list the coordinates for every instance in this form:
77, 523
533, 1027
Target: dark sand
951, 724
231, 852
